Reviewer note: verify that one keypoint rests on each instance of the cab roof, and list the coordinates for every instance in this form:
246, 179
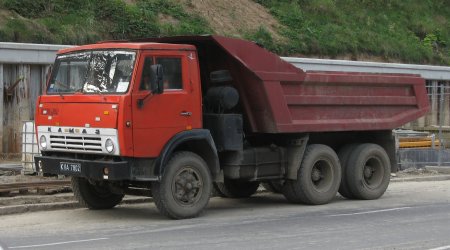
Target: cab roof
128, 45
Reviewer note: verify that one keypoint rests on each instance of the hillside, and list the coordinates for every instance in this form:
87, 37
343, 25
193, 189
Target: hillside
410, 31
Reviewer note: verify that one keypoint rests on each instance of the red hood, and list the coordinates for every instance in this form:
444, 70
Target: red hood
98, 112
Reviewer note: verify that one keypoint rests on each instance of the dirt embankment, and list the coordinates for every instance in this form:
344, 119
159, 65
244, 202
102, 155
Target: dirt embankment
234, 17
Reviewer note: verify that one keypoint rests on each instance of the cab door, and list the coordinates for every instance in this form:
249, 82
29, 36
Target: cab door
162, 115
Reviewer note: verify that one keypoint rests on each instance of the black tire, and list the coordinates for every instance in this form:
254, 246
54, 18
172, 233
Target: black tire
94, 196
236, 188
275, 186
318, 178
185, 187
344, 154
368, 171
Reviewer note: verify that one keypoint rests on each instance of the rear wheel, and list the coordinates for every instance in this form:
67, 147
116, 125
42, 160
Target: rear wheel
185, 187
368, 171
318, 177
236, 188
94, 196
343, 155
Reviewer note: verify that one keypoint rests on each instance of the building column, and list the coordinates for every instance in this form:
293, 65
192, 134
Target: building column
2, 89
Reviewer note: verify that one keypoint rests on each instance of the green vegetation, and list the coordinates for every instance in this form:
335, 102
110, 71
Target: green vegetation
415, 31
411, 31
87, 21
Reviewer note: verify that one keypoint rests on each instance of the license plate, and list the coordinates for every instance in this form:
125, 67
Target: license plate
70, 167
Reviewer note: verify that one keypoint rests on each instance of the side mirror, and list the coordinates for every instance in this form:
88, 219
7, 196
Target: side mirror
156, 81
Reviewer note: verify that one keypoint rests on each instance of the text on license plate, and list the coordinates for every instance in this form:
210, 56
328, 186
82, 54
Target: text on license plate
70, 167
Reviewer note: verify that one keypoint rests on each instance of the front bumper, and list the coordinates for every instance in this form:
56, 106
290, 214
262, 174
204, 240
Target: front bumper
117, 171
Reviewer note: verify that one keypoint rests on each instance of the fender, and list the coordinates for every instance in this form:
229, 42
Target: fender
199, 139
295, 156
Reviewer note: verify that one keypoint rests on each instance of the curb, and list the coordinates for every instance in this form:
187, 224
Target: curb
441, 170
18, 209
422, 178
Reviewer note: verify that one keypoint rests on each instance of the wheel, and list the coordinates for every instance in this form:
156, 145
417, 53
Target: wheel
368, 171
343, 155
94, 196
318, 177
236, 188
185, 187
275, 186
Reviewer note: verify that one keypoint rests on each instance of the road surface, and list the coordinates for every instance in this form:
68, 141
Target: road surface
411, 215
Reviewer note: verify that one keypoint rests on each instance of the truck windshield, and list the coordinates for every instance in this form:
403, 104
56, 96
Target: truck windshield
92, 72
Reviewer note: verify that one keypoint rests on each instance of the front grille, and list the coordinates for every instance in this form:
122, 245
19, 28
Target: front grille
79, 143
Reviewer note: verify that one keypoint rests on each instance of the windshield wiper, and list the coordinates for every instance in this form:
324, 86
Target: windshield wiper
60, 93
80, 90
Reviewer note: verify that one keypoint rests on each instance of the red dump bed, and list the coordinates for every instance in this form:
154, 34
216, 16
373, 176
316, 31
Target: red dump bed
277, 97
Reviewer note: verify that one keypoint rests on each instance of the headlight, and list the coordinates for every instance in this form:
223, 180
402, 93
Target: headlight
109, 146
43, 142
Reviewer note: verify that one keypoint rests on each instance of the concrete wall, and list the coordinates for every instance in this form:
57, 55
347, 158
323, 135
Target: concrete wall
23, 73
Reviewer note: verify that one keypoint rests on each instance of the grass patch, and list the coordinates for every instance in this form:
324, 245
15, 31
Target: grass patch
413, 31
86, 21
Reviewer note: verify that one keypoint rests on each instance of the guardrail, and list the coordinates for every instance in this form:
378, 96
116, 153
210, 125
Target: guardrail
428, 72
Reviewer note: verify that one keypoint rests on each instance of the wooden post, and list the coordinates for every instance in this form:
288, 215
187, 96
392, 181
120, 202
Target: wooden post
441, 121
433, 98
434, 103
2, 89
446, 104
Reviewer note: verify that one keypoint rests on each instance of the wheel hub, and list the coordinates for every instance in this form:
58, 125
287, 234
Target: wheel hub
187, 186
316, 175
368, 172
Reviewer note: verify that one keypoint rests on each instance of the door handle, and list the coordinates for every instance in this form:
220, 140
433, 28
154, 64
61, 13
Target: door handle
185, 113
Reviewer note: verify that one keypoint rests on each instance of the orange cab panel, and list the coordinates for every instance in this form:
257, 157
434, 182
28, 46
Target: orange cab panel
98, 115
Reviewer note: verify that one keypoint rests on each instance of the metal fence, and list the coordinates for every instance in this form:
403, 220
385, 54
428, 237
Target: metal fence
422, 157
437, 124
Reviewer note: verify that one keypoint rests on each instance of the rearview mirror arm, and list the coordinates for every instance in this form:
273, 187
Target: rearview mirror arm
142, 101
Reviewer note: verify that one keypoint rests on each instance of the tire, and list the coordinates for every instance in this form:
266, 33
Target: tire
318, 177
368, 171
275, 186
185, 187
343, 155
94, 196
236, 188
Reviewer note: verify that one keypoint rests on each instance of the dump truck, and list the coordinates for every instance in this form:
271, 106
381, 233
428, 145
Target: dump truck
181, 116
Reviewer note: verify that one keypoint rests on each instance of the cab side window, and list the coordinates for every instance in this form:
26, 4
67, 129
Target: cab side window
172, 72
146, 74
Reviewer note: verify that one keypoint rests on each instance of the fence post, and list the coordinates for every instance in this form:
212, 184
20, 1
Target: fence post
2, 89
441, 121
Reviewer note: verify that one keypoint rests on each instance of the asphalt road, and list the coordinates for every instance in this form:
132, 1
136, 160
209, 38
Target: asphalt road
411, 215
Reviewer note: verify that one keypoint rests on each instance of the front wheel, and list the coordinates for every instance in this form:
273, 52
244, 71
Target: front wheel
94, 196
185, 187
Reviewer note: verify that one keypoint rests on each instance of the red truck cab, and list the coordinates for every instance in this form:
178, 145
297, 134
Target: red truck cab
97, 89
